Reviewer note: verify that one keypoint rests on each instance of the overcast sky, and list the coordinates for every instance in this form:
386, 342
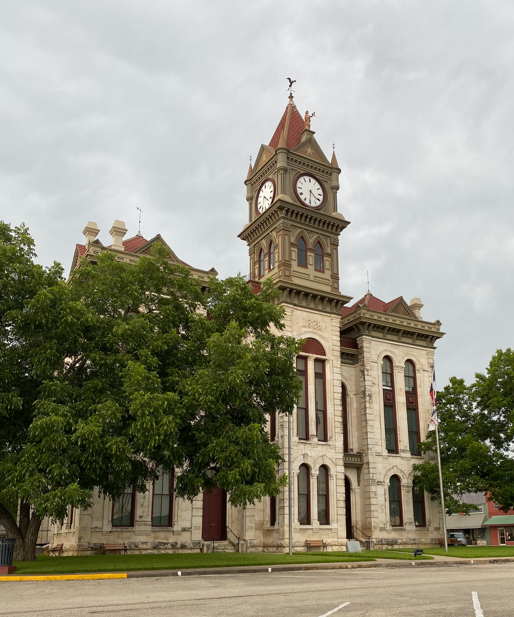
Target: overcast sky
110, 105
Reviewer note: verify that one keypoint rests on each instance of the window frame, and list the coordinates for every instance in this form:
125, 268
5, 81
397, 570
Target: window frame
389, 399
272, 511
261, 267
344, 406
172, 484
411, 403
400, 503
271, 255
298, 253
327, 494
422, 501
324, 381
132, 509
322, 269
306, 397
308, 471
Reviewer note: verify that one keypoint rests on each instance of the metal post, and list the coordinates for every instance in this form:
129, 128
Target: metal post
441, 486
289, 484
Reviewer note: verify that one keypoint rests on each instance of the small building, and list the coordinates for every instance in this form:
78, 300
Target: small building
472, 524
500, 525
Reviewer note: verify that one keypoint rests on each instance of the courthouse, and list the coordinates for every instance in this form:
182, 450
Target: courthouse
366, 369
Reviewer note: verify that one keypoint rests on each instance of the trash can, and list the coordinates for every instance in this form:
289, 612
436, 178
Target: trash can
6, 555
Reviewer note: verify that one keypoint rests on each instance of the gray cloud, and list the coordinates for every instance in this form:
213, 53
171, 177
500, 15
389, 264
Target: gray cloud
109, 105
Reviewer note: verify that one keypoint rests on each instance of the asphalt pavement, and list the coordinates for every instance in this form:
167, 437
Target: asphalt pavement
449, 590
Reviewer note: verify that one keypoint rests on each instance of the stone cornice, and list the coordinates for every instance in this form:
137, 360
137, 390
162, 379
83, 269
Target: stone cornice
392, 327
297, 295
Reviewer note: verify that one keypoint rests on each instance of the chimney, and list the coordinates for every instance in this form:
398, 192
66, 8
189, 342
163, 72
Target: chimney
90, 231
117, 231
416, 306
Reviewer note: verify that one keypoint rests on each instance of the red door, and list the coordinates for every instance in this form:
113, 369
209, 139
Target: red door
214, 520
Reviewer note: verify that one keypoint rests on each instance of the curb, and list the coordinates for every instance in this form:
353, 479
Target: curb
393, 563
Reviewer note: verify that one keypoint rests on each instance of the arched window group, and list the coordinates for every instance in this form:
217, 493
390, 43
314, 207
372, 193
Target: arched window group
304, 495
302, 255
318, 375
411, 399
396, 505
271, 259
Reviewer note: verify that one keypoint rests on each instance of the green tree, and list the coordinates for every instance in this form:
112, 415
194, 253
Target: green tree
133, 367
476, 438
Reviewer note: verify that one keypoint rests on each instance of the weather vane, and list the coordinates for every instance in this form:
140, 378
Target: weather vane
140, 211
291, 82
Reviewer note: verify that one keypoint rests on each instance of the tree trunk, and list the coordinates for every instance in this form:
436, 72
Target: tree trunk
25, 534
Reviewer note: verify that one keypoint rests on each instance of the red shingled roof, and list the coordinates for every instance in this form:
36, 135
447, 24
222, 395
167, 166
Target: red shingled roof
374, 304
134, 243
81, 249
292, 129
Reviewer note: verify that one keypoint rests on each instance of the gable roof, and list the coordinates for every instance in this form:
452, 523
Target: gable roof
292, 124
398, 306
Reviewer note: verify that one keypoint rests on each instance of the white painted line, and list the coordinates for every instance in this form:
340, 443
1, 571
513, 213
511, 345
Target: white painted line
476, 605
336, 609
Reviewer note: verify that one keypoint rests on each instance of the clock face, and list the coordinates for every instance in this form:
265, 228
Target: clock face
309, 191
265, 196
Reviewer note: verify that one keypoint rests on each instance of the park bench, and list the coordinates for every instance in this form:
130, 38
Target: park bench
56, 550
109, 547
316, 544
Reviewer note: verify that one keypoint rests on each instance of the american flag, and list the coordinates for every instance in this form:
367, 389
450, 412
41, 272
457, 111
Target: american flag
433, 418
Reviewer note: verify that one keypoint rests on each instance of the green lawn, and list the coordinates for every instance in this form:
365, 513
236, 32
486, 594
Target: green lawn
124, 563
469, 552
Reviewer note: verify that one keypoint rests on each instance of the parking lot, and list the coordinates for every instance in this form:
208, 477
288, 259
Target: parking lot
459, 590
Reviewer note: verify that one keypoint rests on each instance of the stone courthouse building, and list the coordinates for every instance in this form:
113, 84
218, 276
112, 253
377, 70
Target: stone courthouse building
366, 367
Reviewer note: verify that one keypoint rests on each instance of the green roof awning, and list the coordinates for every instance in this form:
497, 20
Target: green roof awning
508, 519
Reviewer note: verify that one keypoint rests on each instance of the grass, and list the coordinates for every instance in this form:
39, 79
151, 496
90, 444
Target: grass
183, 561
469, 552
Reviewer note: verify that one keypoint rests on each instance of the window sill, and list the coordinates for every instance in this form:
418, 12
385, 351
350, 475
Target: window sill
122, 528
163, 528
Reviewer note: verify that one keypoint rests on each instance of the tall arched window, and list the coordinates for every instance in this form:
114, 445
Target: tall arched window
123, 509
344, 402
412, 407
318, 257
162, 504
271, 257
304, 495
418, 503
302, 253
261, 263
323, 497
321, 407
389, 406
395, 502
302, 409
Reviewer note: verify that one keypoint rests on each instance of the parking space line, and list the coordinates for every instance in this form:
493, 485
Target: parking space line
335, 609
476, 605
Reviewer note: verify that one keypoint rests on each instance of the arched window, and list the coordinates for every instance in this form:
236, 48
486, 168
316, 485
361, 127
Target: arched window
391, 437
304, 495
344, 402
319, 393
395, 502
323, 503
418, 503
318, 257
123, 509
412, 407
271, 257
162, 505
302, 409
261, 263
302, 253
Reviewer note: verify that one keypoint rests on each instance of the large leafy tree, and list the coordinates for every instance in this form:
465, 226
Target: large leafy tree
476, 433
131, 367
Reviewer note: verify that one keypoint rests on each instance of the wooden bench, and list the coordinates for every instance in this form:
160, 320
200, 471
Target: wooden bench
316, 544
56, 550
108, 547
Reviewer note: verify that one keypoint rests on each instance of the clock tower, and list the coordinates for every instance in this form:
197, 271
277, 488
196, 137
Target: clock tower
293, 221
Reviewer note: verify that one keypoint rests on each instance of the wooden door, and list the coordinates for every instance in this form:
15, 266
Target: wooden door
348, 508
214, 519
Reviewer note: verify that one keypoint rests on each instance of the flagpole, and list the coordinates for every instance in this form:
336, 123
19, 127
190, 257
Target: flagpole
290, 486
441, 486
434, 424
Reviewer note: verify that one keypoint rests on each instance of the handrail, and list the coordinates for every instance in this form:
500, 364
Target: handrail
361, 532
238, 539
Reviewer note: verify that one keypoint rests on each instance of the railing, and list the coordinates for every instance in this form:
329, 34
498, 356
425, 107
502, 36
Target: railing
354, 528
235, 536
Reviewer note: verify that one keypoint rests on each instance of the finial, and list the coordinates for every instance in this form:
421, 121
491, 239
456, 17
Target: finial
140, 211
367, 275
333, 148
291, 82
